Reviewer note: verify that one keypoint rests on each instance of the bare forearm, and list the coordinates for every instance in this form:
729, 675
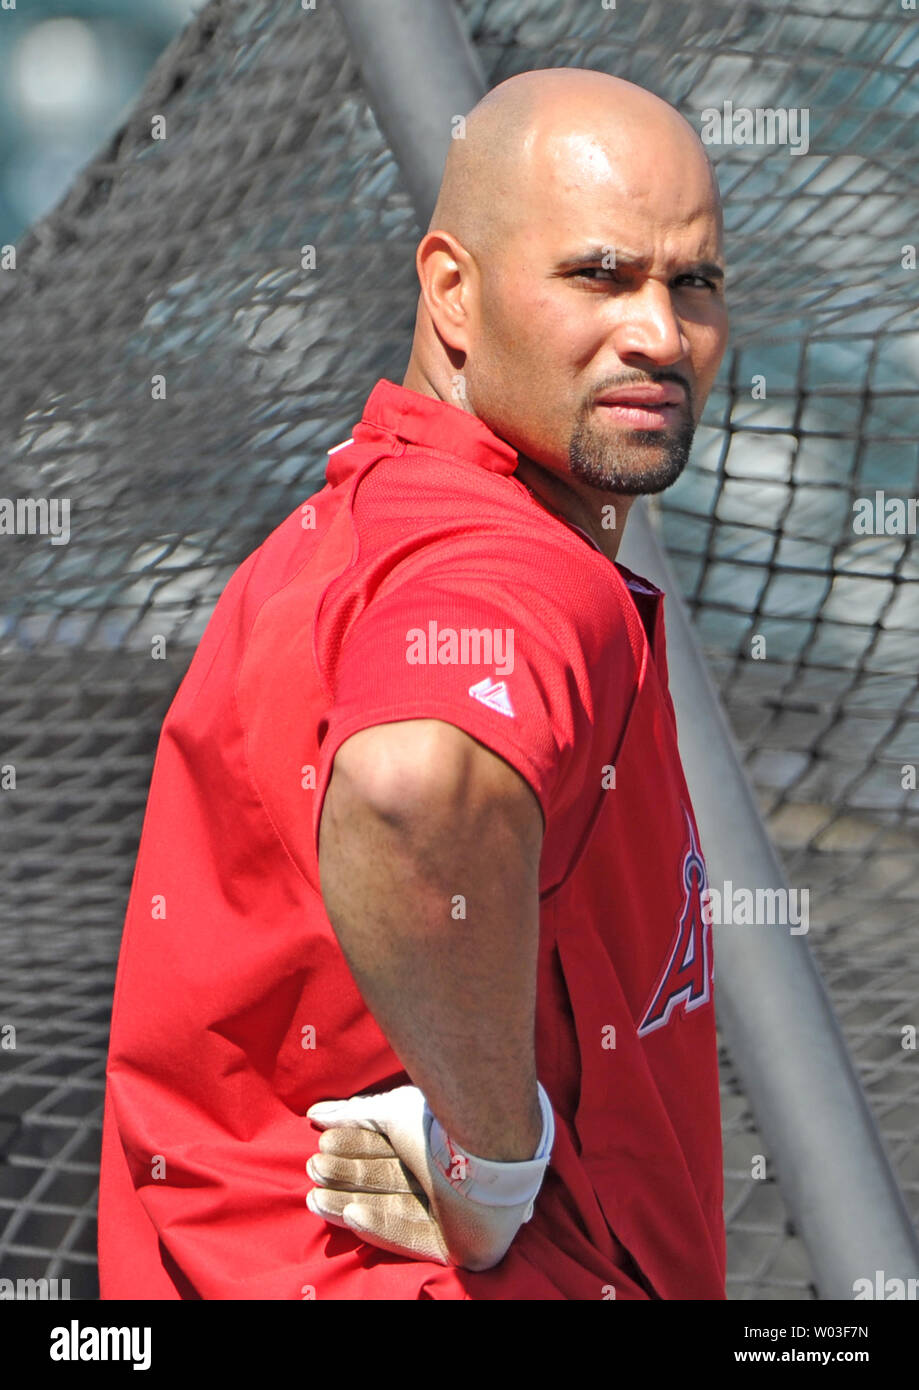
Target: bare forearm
436, 907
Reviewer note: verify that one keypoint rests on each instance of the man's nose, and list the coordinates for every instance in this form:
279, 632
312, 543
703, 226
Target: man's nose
648, 326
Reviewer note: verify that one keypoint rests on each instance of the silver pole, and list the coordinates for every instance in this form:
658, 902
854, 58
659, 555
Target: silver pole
773, 1010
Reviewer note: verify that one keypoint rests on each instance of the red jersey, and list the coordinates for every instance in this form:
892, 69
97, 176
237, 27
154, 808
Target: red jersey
424, 580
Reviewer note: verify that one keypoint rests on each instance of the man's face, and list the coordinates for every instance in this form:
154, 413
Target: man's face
601, 321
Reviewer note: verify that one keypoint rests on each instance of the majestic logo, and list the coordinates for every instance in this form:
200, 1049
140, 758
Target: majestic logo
494, 695
687, 977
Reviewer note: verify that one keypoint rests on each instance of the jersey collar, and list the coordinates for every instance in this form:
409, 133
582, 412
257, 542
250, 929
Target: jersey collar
408, 415
436, 424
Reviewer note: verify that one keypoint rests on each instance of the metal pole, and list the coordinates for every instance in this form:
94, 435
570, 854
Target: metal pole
421, 72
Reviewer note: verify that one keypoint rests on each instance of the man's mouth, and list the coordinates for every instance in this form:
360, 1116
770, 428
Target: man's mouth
642, 417
651, 407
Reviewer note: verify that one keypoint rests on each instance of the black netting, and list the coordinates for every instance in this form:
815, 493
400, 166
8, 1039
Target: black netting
171, 368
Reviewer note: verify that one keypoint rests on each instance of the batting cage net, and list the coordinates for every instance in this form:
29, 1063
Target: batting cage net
175, 367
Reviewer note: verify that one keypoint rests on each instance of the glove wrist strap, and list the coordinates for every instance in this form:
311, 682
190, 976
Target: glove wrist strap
486, 1180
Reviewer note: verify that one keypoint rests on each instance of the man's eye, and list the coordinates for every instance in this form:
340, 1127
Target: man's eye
702, 282
595, 271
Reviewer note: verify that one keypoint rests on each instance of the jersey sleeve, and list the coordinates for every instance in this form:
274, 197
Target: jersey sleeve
499, 643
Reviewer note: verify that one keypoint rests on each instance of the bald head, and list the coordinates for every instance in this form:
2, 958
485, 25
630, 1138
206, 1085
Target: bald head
542, 131
574, 252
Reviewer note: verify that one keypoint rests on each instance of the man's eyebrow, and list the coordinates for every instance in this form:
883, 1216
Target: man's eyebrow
599, 252
591, 254
709, 268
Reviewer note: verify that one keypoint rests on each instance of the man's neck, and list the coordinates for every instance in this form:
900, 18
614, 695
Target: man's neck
602, 515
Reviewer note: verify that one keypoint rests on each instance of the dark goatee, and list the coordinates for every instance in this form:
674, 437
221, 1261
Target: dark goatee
637, 462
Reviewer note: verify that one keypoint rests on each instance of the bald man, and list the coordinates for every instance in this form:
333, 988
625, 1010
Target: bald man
415, 991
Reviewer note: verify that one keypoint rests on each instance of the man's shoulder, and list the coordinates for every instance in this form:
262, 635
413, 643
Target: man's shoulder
437, 511
433, 533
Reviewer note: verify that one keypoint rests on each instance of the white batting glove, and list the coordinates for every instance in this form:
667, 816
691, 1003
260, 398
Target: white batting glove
387, 1171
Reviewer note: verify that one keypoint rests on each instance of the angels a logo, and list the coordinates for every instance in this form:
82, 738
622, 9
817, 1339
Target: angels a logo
687, 976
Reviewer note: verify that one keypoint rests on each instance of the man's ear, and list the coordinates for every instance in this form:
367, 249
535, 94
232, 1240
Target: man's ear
445, 272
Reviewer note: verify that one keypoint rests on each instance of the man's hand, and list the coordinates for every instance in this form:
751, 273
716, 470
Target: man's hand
387, 1171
